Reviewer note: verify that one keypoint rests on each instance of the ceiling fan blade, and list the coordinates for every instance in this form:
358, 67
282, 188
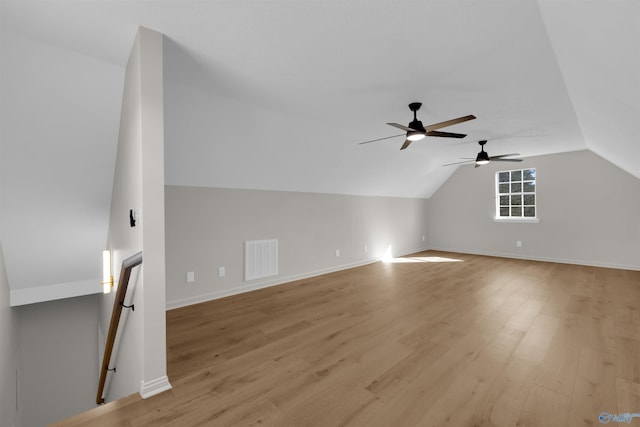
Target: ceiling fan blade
446, 134
493, 159
448, 122
380, 139
504, 155
460, 163
399, 126
407, 142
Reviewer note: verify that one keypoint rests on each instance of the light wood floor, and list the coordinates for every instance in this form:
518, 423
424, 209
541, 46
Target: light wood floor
480, 341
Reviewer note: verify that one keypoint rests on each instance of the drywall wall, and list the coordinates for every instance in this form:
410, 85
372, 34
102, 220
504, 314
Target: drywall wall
206, 229
8, 353
588, 210
139, 186
58, 359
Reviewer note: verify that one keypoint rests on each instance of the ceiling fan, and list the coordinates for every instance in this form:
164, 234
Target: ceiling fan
483, 157
416, 131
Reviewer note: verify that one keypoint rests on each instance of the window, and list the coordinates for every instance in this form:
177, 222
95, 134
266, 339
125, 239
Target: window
516, 194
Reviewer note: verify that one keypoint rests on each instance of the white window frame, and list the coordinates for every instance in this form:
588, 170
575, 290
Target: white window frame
524, 219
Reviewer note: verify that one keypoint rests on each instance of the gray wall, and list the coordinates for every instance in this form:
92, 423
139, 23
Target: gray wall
8, 353
588, 210
58, 359
206, 228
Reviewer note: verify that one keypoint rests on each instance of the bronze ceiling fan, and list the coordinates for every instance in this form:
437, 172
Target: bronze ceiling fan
483, 157
415, 131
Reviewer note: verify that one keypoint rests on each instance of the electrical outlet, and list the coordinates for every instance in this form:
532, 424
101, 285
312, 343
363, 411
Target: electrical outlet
423, 237
337, 252
366, 248
191, 277
221, 272
519, 244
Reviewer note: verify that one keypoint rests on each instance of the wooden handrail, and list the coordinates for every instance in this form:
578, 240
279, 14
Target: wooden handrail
118, 303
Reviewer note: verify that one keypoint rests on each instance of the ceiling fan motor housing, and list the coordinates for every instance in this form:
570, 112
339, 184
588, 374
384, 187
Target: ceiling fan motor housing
482, 157
417, 125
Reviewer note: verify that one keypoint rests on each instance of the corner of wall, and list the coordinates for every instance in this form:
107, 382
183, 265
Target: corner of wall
139, 186
9, 414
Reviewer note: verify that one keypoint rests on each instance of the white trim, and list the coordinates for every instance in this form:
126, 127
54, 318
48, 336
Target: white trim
274, 282
546, 259
255, 286
517, 220
23, 296
153, 387
522, 193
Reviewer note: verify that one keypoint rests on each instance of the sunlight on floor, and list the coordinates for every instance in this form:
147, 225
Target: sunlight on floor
420, 259
388, 257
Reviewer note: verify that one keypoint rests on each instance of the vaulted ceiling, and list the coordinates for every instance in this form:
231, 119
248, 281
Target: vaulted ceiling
277, 95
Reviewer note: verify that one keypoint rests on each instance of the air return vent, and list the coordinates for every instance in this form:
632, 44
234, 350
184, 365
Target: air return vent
260, 258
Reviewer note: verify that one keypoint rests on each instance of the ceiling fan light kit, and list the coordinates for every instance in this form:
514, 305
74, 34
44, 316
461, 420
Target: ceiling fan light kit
415, 136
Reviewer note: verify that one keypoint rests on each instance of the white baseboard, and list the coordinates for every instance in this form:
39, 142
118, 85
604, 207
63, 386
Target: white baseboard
196, 299
153, 387
543, 259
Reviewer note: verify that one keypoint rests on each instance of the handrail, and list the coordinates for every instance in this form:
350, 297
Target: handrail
118, 303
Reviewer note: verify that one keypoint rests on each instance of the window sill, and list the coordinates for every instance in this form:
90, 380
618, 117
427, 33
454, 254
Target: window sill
518, 220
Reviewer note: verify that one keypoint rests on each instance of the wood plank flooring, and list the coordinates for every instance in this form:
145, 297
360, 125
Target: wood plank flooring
441, 339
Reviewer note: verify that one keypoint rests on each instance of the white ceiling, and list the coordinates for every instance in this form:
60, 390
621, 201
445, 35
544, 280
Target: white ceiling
277, 95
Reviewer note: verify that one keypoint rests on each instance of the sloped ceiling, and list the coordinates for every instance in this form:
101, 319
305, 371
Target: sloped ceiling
277, 95
595, 43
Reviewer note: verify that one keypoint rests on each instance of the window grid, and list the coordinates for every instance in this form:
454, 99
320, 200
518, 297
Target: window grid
516, 194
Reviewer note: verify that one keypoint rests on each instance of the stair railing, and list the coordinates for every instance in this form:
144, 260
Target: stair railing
118, 304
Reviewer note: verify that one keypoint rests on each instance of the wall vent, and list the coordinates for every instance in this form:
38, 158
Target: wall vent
260, 259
